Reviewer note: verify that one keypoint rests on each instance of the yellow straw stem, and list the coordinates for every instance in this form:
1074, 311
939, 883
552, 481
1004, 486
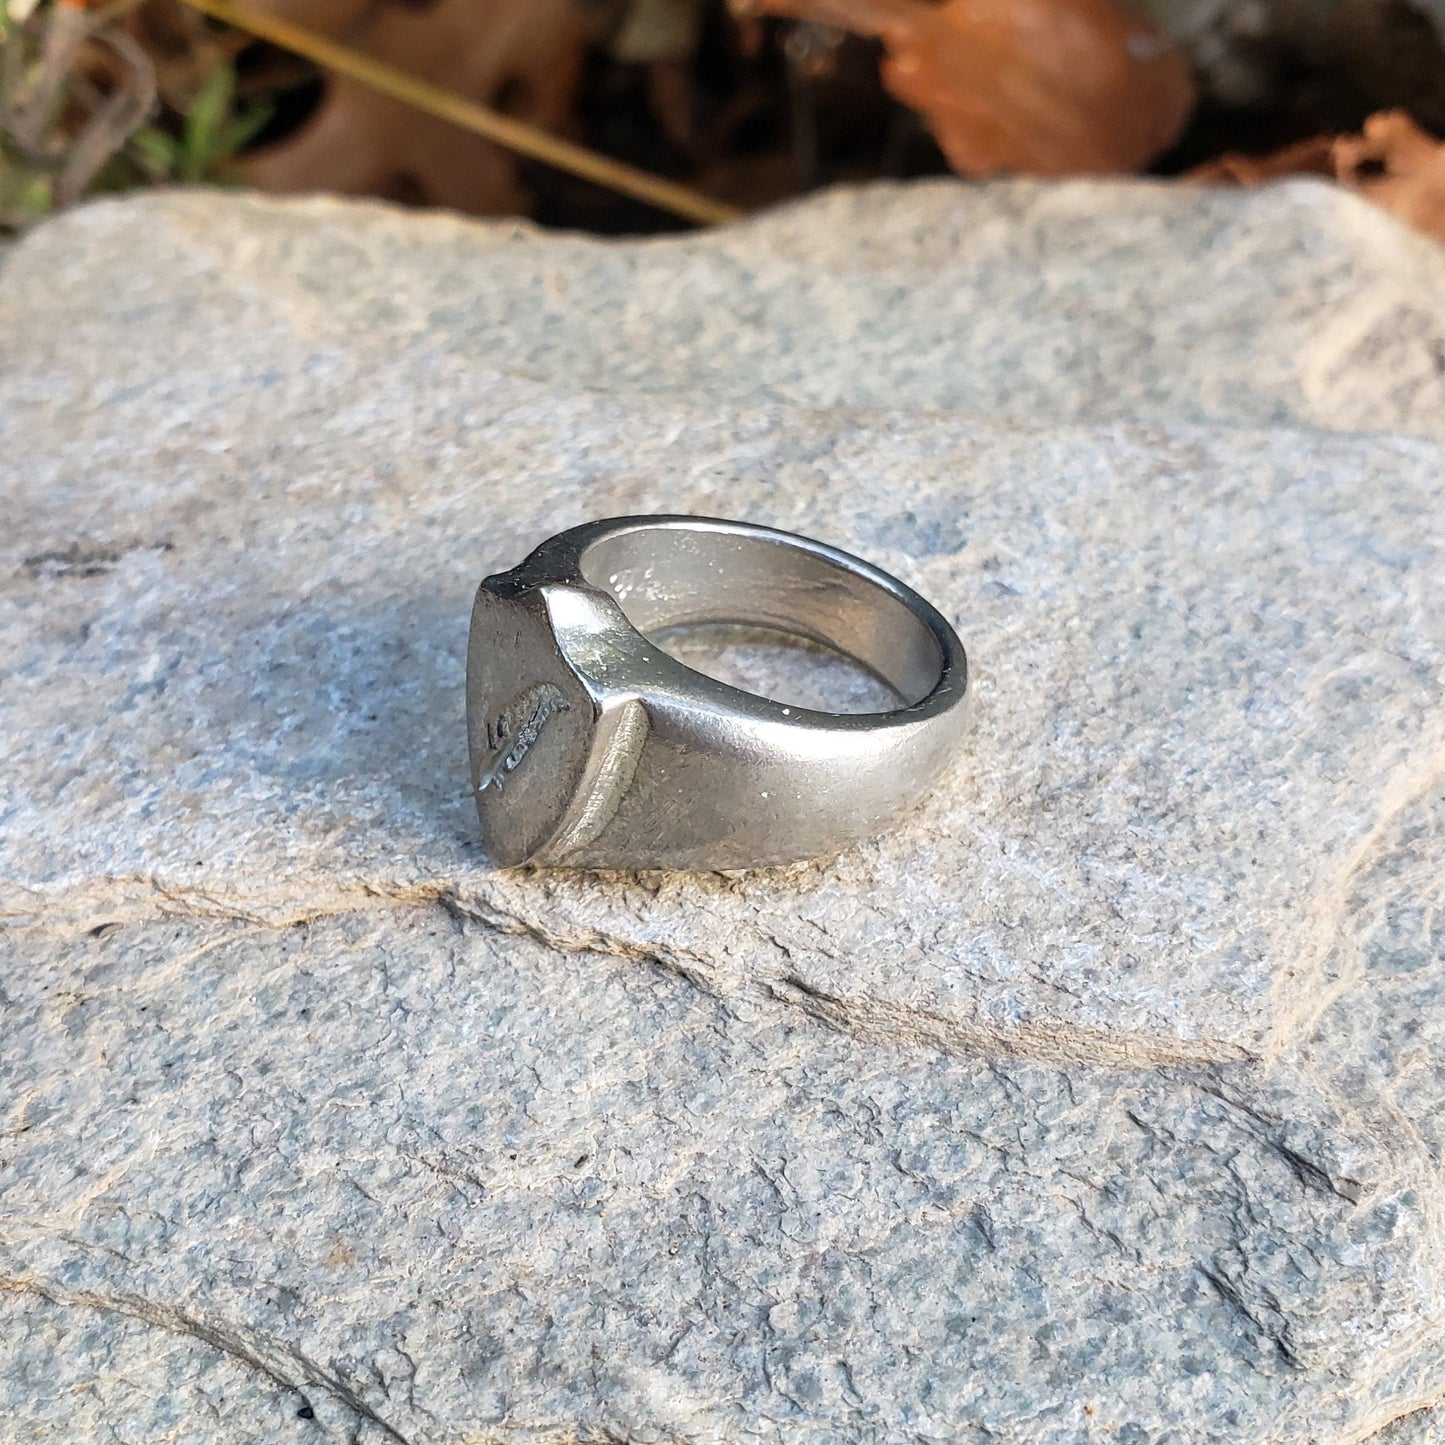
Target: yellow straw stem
515, 135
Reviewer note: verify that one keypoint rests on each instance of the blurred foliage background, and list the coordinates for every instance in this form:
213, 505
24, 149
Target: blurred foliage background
640, 115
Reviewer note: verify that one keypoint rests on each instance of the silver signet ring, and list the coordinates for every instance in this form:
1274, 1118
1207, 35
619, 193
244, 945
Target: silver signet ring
593, 748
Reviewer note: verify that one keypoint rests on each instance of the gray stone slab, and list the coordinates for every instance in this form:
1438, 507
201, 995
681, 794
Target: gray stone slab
435, 1185
1100, 1099
1023, 302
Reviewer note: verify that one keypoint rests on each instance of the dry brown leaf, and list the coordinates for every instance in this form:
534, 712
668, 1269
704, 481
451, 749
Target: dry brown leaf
185, 50
1043, 87
1398, 166
1305, 158
1393, 162
520, 56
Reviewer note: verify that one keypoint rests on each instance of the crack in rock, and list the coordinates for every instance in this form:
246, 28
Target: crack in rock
269, 1357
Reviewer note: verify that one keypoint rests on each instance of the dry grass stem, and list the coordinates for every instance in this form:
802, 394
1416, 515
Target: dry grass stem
481, 120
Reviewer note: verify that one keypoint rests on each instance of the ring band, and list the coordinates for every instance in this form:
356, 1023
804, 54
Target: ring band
591, 747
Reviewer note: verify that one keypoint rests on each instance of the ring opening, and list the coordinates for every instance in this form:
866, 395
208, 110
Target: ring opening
789, 669
668, 577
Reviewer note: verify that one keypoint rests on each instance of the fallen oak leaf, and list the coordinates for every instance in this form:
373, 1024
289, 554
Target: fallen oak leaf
1304, 158
1392, 162
523, 57
1040, 87
1399, 166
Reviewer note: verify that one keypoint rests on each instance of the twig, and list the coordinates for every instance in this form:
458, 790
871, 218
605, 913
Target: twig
481, 120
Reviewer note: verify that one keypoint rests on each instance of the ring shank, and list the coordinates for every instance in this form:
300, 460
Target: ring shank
665, 575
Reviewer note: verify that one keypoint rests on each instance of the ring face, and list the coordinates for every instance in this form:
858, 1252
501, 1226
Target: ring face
591, 747
529, 723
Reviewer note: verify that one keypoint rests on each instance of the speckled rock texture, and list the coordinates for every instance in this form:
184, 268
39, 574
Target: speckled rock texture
1102, 1100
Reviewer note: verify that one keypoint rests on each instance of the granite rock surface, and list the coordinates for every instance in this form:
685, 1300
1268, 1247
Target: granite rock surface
1100, 1100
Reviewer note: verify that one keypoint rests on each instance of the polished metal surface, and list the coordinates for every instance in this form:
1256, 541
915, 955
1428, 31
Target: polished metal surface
592, 747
